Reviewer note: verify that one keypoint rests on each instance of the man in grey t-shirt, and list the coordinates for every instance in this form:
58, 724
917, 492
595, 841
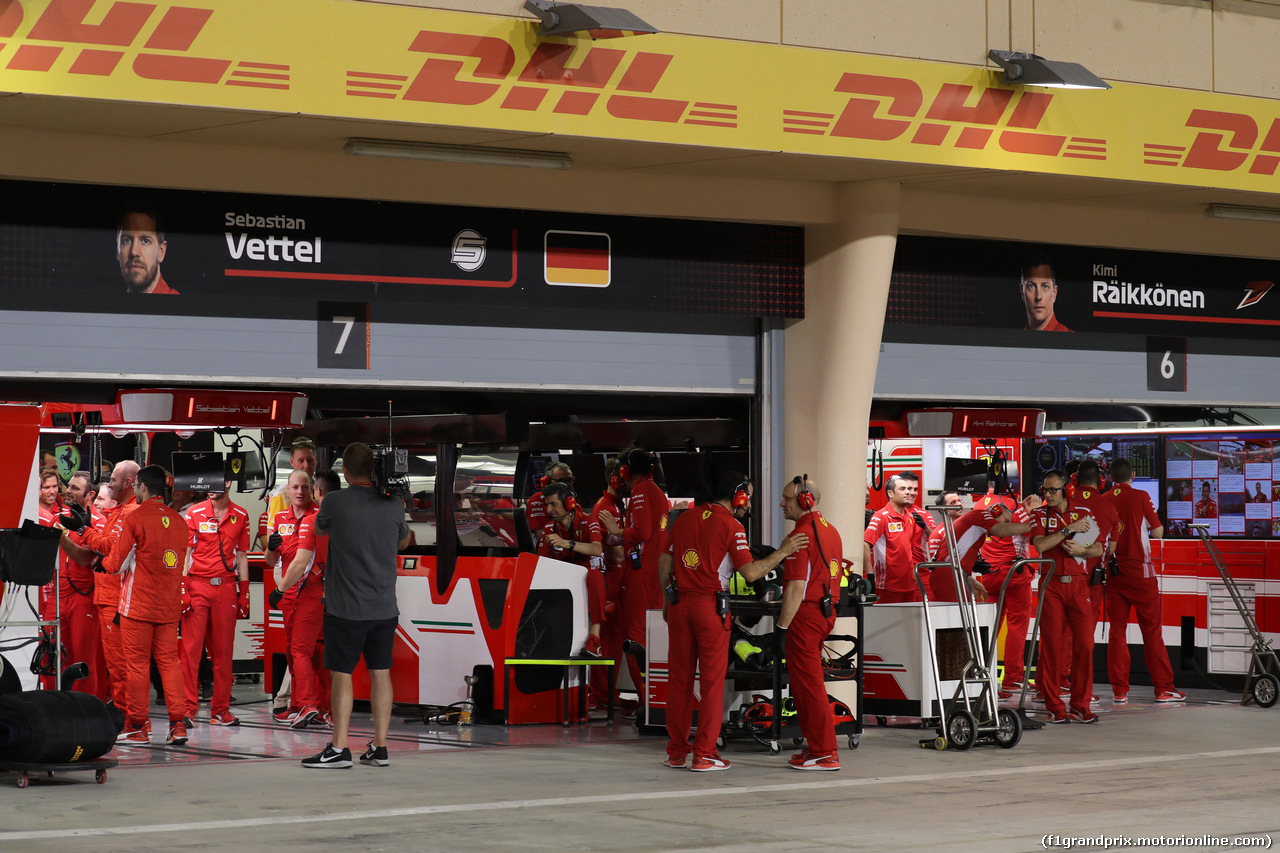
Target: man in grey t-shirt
365, 531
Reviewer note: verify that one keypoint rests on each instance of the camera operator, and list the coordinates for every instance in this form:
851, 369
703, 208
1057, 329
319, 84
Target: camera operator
365, 531
1066, 599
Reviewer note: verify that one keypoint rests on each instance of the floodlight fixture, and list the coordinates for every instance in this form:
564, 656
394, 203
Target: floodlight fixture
1027, 69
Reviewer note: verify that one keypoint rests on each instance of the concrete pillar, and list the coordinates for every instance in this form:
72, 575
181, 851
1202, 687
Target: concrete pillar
833, 352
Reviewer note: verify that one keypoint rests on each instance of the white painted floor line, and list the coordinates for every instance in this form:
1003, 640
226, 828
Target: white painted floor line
825, 783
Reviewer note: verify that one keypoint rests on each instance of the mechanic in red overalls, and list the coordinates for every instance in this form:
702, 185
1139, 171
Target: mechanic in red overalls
218, 586
895, 541
1066, 599
646, 523
573, 536
299, 560
811, 589
149, 555
611, 632
705, 546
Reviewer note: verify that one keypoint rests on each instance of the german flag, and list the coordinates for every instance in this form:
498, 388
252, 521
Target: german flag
577, 259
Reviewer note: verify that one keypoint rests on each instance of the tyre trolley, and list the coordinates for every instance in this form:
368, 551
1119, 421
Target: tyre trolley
1262, 684
25, 771
966, 720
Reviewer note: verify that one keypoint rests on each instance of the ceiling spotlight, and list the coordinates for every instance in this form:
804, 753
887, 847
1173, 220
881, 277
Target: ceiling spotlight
472, 154
1240, 211
599, 22
1027, 69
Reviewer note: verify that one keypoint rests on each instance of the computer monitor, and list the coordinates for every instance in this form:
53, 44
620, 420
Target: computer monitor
965, 476
199, 472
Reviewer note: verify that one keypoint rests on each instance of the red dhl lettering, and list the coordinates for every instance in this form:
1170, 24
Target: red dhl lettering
469, 70
62, 27
1225, 143
888, 107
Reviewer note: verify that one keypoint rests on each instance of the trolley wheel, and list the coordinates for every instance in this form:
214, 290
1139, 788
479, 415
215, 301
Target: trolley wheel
1266, 687
1008, 728
100, 776
882, 721
853, 741
962, 730
797, 740
774, 747
23, 780
939, 743
50, 772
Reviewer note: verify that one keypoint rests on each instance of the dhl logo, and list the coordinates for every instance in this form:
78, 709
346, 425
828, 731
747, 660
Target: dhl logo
158, 43
1211, 149
469, 70
889, 108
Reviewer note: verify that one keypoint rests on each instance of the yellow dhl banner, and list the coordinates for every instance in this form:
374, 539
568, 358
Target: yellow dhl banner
384, 63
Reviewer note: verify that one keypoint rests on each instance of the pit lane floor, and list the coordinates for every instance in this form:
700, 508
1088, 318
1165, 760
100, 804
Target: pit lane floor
1208, 767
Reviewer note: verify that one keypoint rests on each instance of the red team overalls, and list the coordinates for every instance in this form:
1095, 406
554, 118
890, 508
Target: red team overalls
212, 588
897, 545
611, 631
80, 633
1001, 553
819, 566
1066, 603
1135, 589
706, 545
106, 598
149, 555
645, 523
303, 609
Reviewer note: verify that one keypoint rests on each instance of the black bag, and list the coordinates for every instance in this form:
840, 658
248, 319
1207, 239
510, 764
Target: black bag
29, 554
56, 727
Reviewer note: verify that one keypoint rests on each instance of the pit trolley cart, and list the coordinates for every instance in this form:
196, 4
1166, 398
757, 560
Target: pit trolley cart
1262, 684
99, 766
764, 719
967, 719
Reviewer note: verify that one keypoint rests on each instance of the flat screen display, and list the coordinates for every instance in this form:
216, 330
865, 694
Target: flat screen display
1231, 484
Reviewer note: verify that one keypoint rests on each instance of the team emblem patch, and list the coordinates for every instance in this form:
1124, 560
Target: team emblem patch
170, 558
208, 527
165, 521
286, 530
835, 568
690, 559
895, 527
235, 466
662, 522
824, 522
706, 513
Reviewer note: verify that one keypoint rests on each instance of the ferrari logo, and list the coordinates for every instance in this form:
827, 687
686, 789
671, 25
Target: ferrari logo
690, 559
235, 466
824, 521
170, 557
165, 521
662, 522
706, 513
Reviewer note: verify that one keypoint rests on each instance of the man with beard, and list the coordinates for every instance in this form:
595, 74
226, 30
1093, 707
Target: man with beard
140, 249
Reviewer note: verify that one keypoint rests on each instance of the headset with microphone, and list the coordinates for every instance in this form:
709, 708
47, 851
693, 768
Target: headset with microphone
565, 492
804, 495
741, 495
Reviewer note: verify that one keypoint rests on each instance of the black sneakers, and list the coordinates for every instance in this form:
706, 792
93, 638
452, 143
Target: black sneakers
375, 756
332, 758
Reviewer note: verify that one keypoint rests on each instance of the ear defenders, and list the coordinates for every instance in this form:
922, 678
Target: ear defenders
741, 495
566, 493
804, 497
